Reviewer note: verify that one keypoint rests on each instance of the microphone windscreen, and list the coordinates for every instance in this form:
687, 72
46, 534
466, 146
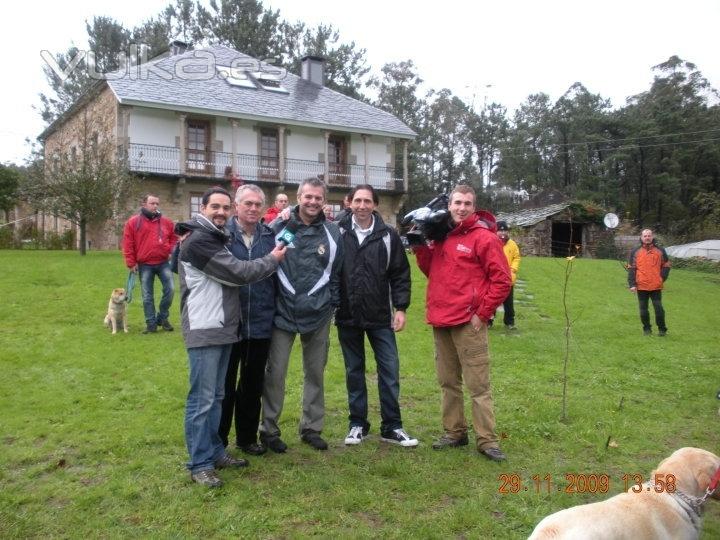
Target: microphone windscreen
292, 226
287, 235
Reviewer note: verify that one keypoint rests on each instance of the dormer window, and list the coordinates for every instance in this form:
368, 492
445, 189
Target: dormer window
235, 77
269, 81
243, 78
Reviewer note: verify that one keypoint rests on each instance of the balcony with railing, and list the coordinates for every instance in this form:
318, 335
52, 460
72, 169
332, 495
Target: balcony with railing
166, 160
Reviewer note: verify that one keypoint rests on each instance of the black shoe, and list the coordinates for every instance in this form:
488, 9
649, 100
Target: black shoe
151, 329
315, 440
662, 333
275, 444
229, 462
449, 442
647, 332
254, 449
206, 478
494, 454
167, 326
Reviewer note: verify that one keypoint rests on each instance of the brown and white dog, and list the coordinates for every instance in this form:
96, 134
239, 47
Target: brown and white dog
117, 311
653, 513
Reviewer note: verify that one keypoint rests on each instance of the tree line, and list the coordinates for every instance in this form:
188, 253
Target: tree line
655, 160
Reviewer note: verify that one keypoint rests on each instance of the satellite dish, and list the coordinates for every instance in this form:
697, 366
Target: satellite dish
611, 220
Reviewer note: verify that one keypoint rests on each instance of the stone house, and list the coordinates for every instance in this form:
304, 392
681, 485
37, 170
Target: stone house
197, 118
559, 230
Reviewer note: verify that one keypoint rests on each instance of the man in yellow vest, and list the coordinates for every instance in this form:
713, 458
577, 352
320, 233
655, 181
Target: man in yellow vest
512, 253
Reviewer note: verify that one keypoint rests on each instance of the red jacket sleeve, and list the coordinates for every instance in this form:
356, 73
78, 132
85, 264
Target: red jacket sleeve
271, 214
423, 256
172, 237
497, 271
128, 242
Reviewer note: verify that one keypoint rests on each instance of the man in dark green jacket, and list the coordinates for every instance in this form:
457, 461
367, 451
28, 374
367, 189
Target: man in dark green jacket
308, 293
374, 295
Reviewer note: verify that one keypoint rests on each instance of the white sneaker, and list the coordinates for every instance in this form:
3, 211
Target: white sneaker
398, 436
355, 436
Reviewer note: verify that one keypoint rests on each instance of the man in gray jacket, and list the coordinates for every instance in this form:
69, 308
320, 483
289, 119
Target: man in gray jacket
210, 307
309, 292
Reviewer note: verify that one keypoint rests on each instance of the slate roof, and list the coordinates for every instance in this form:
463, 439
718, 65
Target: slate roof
305, 103
532, 216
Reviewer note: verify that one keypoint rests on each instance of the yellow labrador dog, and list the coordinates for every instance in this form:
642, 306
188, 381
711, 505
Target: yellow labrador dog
117, 311
653, 515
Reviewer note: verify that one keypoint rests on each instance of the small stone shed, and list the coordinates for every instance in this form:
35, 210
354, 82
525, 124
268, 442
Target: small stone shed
559, 230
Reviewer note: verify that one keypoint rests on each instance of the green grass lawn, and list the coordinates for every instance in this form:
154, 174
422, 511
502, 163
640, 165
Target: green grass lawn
91, 436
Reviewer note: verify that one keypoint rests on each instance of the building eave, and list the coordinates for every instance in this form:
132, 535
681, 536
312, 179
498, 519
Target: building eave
262, 118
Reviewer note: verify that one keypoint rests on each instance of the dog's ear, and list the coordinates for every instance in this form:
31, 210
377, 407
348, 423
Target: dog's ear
705, 473
700, 465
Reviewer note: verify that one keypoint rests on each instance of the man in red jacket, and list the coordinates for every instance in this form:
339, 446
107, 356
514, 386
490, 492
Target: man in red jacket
468, 278
281, 203
148, 241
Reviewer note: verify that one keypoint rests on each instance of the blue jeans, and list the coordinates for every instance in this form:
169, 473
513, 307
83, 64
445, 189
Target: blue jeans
208, 366
147, 282
382, 341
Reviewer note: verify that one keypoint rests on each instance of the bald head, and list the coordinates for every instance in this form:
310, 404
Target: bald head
646, 237
281, 201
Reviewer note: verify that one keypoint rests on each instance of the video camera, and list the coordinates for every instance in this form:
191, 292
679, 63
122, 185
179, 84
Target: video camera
431, 222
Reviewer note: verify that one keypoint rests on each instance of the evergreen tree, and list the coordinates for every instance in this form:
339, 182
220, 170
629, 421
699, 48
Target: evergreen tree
244, 25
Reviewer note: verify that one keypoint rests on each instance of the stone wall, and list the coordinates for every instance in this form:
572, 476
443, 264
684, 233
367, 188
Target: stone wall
536, 240
98, 115
94, 122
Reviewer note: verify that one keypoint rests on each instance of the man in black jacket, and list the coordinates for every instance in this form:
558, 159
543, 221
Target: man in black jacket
374, 294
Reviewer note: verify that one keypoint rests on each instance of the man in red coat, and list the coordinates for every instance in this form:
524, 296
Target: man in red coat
281, 203
148, 242
468, 278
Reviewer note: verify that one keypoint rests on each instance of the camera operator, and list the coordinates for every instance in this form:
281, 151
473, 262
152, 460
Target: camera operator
468, 278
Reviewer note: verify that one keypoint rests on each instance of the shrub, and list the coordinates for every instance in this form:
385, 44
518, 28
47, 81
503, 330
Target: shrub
606, 248
7, 241
53, 241
68, 239
699, 264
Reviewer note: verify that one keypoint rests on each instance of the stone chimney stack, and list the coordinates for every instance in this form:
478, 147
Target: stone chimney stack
313, 69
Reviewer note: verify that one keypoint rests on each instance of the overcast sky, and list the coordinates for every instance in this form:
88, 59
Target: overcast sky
497, 51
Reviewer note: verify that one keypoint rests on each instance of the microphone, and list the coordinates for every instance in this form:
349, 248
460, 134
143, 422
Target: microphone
287, 235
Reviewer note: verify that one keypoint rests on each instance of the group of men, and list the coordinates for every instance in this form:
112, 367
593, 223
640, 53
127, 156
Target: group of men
250, 288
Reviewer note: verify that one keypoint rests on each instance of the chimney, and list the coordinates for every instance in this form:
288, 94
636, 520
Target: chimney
313, 69
178, 46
